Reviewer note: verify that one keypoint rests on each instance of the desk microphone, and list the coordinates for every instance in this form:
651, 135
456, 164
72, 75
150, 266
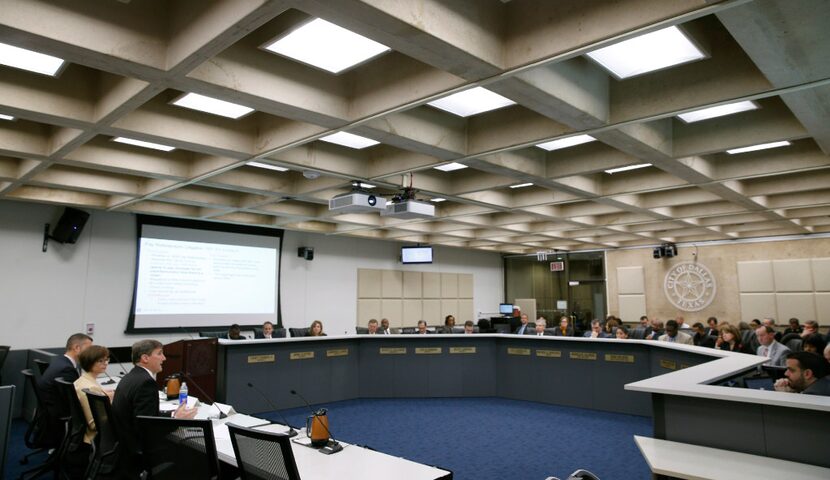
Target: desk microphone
204, 394
112, 380
291, 431
333, 445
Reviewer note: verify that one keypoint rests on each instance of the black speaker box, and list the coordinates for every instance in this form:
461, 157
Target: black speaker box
70, 225
306, 252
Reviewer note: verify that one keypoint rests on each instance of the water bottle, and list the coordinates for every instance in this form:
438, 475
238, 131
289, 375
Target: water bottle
183, 394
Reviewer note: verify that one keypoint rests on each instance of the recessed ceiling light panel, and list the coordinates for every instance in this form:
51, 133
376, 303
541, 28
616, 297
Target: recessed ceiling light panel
451, 166
142, 143
719, 111
762, 146
29, 60
350, 140
3, 116
327, 46
472, 102
566, 142
653, 51
438, 199
267, 166
202, 103
627, 168
521, 185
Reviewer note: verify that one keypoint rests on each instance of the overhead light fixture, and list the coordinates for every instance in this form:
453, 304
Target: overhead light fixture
521, 185
762, 146
3, 116
267, 166
719, 111
566, 142
438, 199
366, 185
647, 53
326, 46
32, 61
350, 140
202, 103
451, 166
629, 167
142, 143
472, 102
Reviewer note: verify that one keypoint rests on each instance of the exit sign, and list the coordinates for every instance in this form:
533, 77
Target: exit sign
557, 266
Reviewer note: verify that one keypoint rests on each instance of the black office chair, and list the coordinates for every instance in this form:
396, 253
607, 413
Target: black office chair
37, 435
298, 332
222, 334
105, 445
175, 449
790, 336
42, 365
578, 475
4, 352
73, 456
794, 344
263, 455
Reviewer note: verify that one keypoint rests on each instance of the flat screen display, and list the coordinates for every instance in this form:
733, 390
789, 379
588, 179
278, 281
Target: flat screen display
506, 308
416, 255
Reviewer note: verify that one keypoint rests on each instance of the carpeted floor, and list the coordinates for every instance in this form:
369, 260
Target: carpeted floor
476, 438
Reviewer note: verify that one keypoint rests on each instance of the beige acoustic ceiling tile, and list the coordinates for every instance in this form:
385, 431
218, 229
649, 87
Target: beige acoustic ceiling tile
466, 311
412, 286
821, 274
792, 275
630, 281
432, 285
449, 285
393, 310
823, 308
755, 277
632, 306
392, 286
366, 309
449, 306
431, 312
796, 305
465, 285
757, 305
368, 283
413, 310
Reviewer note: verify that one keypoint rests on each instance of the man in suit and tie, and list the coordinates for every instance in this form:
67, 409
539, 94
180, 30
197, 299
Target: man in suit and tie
384, 327
770, 347
138, 394
422, 328
67, 367
523, 327
267, 331
372, 327
564, 330
596, 331
539, 331
673, 335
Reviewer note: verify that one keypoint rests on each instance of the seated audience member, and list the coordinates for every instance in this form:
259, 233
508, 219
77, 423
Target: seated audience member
770, 322
806, 373
673, 335
138, 394
621, 333
234, 333
449, 323
713, 327
267, 331
810, 327
681, 322
384, 327
644, 322
564, 330
469, 327
656, 329
610, 324
539, 331
316, 329
372, 327
814, 344
64, 366
755, 323
94, 361
700, 333
422, 328
523, 326
730, 339
827, 354
596, 331
771, 348
795, 327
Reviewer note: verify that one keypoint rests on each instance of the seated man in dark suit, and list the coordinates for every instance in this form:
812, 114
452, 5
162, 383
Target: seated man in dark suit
596, 331
422, 328
138, 394
539, 331
65, 366
267, 331
384, 327
523, 328
234, 333
806, 373
449, 323
564, 330
372, 327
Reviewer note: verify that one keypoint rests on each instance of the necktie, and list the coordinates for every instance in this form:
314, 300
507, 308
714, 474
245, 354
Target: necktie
765, 352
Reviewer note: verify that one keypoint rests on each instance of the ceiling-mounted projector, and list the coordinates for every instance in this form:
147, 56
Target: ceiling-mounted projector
409, 209
357, 201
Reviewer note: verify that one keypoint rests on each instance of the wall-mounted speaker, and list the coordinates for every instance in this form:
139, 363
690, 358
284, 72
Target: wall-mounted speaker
70, 225
306, 252
657, 252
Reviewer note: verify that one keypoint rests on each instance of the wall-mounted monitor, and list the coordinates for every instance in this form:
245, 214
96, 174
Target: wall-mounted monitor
506, 308
416, 255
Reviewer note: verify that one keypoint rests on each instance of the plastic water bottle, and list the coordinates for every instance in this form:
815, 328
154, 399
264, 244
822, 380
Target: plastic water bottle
183, 394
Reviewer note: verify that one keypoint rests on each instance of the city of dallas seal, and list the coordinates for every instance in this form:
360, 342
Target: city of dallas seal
690, 286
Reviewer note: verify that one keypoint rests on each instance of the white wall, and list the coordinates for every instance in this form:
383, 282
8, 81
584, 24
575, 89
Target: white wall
44, 297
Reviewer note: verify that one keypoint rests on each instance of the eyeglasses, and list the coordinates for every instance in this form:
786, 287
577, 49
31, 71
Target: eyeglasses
103, 360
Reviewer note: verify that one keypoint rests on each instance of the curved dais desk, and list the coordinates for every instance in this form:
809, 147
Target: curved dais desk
667, 381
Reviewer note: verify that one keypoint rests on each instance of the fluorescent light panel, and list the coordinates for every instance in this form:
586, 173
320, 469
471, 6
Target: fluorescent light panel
366, 185
142, 143
566, 142
350, 140
3, 116
472, 102
327, 46
521, 185
627, 168
451, 166
202, 103
762, 146
29, 60
647, 53
719, 111
267, 166
438, 199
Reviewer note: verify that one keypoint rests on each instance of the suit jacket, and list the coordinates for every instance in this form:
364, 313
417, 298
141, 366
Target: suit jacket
137, 394
601, 334
681, 337
777, 353
527, 328
821, 387
544, 334
60, 367
569, 332
260, 335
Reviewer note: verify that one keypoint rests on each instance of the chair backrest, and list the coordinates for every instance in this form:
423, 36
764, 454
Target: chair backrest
263, 455
37, 434
638, 333
4, 352
175, 449
42, 365
221, 334
6, 406
794, 344
361, 330
790, 336
75, 414
298, 332
279, 332
106, 440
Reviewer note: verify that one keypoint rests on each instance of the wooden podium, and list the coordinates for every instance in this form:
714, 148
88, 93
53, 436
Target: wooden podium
196, 360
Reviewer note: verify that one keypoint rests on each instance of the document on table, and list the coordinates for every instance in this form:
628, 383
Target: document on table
242, 420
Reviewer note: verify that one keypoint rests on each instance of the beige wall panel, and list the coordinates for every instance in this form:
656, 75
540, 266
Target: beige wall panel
412, 286
823, 308
432, 285
392, 286
432, 312
821, 274
528, 306
465, 285
367, 309
799, 305
755, 277
756, 305
413, 310
368, 283
449, 285
630, 281
792, 275
393, 310
632, 306
466, 311
448, 307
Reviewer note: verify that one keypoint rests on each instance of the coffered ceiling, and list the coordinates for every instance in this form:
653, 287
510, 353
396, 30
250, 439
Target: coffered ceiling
127, 61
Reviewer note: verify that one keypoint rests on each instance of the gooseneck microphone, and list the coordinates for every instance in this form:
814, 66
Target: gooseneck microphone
291, 432
333, 445
112, 380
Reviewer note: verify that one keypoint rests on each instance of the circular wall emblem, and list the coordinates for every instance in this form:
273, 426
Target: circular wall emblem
690, 286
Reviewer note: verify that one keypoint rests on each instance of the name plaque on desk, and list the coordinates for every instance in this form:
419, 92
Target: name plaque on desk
518, 351
668, 364
337, 352
613, 357
462, 349
549, 353
684, 365
583, 356
270, 358
301, 355
428, 350
393, 351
